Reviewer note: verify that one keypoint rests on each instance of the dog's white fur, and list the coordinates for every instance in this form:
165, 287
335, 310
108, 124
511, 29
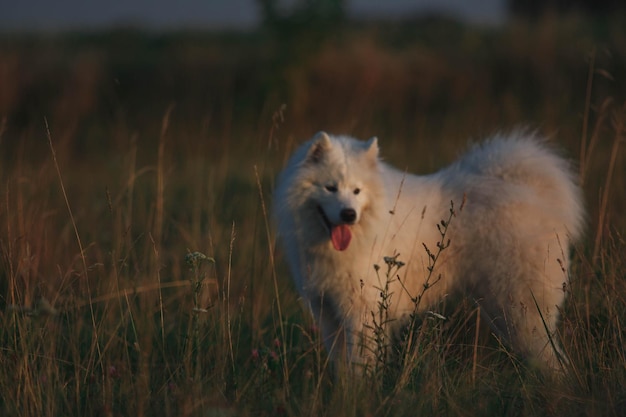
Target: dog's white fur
509, 243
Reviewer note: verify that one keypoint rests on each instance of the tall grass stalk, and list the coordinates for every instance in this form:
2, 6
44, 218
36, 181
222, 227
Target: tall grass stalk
95, 329
409, 353
618, 127
380, 317
281, 318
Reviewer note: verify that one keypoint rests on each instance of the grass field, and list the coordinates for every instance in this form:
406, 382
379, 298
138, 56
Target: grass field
122, 153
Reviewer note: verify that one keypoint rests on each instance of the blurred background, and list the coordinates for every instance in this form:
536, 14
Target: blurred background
205, 91
405, 69
248, 14
135, 132
201, 94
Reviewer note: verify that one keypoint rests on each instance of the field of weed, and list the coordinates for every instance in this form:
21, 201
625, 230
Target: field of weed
138, 275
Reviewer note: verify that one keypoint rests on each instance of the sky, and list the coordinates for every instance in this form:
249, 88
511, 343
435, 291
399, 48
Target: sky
33, 15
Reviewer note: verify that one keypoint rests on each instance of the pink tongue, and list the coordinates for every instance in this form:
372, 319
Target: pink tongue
341, 236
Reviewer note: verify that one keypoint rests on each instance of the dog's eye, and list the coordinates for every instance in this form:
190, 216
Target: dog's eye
331, 188
357, 191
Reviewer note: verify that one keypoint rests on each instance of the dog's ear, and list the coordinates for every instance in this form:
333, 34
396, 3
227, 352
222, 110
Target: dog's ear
371, 147
321, 144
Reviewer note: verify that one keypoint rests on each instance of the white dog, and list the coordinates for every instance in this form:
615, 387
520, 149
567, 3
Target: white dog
340, 211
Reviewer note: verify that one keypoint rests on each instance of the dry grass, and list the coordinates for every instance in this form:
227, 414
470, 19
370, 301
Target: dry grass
122, 153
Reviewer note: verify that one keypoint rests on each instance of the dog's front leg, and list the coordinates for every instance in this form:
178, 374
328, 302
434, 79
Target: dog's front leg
348, 337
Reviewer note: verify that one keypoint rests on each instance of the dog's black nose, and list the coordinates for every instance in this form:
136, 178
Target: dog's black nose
348, 215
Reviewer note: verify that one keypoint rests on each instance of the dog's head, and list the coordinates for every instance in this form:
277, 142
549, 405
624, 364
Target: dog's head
341, 174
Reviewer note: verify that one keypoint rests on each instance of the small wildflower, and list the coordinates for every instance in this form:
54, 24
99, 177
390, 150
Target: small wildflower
113, 372
436, 315
193, 259
255, 354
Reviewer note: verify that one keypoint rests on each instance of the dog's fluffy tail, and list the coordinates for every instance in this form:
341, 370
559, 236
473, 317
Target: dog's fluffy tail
528, 160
